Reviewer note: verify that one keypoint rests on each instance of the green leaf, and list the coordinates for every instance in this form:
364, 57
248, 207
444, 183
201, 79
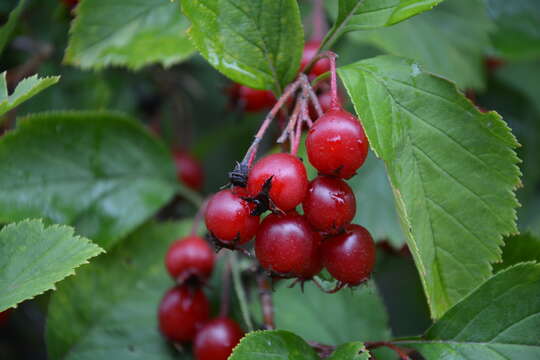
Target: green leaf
9, 26
110, 307
519, 248
101, 172
450, 41
452, 169
350, 351
25, 90
129, 33
518, 34
33, 258
500, 320
371, 14
273, 345
348, 315
257, 43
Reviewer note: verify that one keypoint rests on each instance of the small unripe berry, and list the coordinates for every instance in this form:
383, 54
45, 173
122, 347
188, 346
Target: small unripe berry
288, 179
217, 339
190, 257
182, 311
350, 257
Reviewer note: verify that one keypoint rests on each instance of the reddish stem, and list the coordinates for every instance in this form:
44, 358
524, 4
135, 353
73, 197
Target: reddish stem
402, 353
265, 293
334, 103
320, 27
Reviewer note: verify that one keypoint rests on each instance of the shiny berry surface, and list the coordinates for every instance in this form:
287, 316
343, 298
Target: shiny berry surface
336, 144
228, 217
249, 99
182, 311
314, 264
285, 244
289, 179
217, 339
350, 257
190, 257
189, 170
321, 66
329, 204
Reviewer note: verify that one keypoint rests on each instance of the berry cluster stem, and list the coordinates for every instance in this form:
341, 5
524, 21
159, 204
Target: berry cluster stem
402, 353
320, 27
240, 292
265, 293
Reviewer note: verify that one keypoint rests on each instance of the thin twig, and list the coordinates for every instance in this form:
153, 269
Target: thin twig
240, 293
402, 353
265, 293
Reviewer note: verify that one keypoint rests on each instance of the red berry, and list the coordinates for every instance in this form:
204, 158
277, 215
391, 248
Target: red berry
329, 204
217, 339
251, 99
285, 244
228, 217
321, 66
182, 311
336, 144
350, 257
4, 316
190, 256
313, 266
188, 170
289, 179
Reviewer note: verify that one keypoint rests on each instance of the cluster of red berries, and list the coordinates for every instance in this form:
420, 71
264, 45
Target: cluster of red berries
288, 244
184, 311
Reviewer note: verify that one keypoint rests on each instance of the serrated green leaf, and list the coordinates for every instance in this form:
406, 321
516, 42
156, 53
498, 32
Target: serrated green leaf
110, 307
9, 26
449, 41
101, 172
34, 257
257, 43
499, 320
371, 14
519, 248
350, 351
129, 33
274, 345
348, 315
25, 90
518, 34
452, 168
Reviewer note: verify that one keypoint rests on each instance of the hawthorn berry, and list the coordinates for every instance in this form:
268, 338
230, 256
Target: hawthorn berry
249, 99
329, 204
336, 144
190, 257
287, 176
217, 339
285, 244
182, 311
313, 266
228, 217
189, 170
350, 257
320, 67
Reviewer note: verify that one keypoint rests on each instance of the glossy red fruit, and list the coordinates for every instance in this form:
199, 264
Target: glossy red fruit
336, 144
285, 244
182, 312
329, 204
188, 170
190, 257
251, 99
321, 66
217, 339
314, 265
350, 257
289, 179
228, 217
4, 316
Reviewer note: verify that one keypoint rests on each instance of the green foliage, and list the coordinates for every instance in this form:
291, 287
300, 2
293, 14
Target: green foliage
7, 29
100, 172
450, 40
348, 315
274, 344
34, 257
518, 34
110, 307
350, 351
499, 320
25, 90
257, 43
371, 14
453, 171
517, 249
130, 33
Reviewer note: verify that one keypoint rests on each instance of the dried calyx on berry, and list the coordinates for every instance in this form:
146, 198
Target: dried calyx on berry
239, 175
